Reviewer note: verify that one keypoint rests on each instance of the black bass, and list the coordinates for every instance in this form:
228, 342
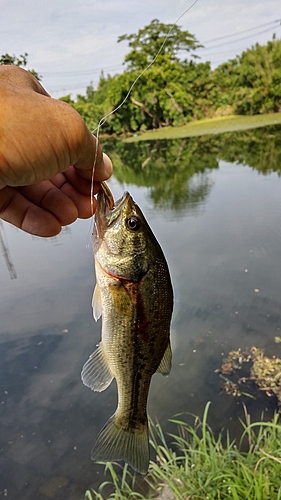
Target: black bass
135, 298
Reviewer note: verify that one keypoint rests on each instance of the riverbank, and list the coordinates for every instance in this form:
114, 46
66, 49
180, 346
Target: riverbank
209, 126
202, 467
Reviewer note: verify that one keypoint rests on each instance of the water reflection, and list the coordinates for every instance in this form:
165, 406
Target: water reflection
176, 171
218, 222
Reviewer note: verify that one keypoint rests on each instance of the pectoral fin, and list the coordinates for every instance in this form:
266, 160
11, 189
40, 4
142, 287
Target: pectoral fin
166, 361
96, 303
95, 372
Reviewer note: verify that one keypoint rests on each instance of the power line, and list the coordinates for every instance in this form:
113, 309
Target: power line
74, 86
89, 72
239, 39
82, 73
114, 68
240, 32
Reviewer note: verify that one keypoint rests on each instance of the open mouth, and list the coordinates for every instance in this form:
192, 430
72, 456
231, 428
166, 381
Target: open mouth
113, 214
105, 216
108, 194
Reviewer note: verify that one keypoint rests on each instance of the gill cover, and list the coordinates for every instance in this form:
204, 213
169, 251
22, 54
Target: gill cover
121, 239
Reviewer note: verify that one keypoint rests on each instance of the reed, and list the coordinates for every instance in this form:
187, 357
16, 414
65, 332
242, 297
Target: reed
200, 466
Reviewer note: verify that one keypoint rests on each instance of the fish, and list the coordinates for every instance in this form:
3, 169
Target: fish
134, 296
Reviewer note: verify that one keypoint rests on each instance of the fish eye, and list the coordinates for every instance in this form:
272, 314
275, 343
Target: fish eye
133, 223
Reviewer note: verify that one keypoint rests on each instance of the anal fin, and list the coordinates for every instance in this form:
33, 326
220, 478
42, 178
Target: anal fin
166, 362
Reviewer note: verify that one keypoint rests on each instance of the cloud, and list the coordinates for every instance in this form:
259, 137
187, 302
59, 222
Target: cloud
69, 36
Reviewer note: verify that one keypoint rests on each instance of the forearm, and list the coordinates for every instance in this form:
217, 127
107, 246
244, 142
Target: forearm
40, 136
47, 157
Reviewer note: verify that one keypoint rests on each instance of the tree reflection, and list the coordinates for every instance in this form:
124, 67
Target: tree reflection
259, 149
177, 171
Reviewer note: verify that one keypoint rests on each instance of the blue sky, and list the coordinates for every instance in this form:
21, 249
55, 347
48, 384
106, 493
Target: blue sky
69, 42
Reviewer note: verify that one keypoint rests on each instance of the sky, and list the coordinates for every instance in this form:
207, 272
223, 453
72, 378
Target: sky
70, 42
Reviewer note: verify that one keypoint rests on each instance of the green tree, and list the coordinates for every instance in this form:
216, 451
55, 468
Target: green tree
97, 103
18, 61
251, 82
167, 40
175, 89
161, 97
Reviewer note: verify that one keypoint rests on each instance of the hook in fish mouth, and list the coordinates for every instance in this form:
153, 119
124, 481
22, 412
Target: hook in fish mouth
109, 200
108, 194
109, 210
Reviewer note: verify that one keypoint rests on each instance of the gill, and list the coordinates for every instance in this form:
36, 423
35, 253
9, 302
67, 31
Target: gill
96, 131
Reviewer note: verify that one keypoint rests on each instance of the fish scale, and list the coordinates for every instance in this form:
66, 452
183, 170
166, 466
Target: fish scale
135, 298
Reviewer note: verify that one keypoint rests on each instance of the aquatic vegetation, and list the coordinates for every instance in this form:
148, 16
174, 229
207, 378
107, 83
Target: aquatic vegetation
209, 126
264, 373
200, 466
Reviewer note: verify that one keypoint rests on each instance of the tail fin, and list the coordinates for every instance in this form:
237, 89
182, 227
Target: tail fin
116, 443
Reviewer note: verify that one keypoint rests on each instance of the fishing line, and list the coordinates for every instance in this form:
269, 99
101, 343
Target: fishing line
104, 118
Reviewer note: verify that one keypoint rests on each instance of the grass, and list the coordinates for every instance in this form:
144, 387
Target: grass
205, 468
209, 126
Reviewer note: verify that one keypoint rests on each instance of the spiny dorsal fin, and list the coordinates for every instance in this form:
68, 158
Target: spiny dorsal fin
95, 372
166, 361
96, 303
116, 443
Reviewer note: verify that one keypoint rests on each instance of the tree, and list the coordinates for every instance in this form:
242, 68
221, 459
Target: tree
167, 40
252, 81
162, 96
175, 89
18, 61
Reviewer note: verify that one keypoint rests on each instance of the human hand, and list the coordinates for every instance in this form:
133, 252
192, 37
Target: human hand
47, 156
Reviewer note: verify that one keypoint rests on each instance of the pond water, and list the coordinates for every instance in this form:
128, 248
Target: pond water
214, 203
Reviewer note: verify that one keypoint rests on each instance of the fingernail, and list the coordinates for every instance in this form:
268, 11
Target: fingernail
107, 165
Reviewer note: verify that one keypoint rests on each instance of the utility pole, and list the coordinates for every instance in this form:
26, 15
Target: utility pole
6, 254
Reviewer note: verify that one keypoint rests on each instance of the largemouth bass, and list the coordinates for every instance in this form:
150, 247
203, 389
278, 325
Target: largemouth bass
135, 298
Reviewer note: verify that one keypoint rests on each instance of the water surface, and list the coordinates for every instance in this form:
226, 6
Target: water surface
215, 207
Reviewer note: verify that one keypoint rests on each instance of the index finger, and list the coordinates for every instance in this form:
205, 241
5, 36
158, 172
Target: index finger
93, 160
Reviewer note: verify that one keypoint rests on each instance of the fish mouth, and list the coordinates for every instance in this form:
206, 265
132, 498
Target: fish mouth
104, 209
108, 194
118, 206
105, 216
